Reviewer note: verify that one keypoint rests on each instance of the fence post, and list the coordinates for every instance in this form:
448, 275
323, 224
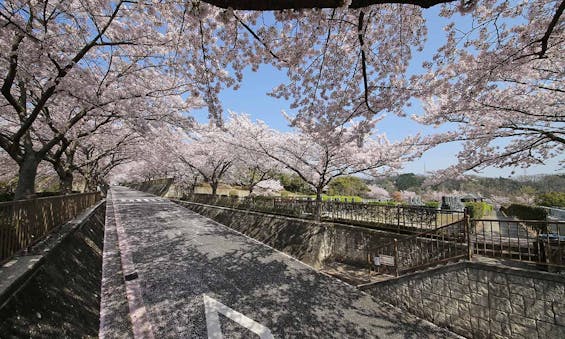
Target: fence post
467, 225
396, 270
398, 217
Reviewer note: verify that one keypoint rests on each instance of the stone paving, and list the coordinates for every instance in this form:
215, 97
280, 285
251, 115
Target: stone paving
190, 277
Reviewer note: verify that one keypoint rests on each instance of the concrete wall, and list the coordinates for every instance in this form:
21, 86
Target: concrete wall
311, 242
479, 300
58, 296
158, 187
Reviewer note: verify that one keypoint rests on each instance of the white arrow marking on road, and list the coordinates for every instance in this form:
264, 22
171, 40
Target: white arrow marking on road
212, 307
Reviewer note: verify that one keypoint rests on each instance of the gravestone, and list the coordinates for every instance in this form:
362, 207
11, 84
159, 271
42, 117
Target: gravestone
452, 204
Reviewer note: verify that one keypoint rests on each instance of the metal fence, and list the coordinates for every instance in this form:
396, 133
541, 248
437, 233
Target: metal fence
532, 241
25, 222
541, 242
407, 219
398, 218
447, 243
436, 235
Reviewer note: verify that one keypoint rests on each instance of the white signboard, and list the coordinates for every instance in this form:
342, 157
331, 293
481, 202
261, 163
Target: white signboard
385, 260
377, 261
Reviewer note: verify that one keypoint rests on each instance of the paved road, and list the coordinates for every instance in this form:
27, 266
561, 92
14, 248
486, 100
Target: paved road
198, 279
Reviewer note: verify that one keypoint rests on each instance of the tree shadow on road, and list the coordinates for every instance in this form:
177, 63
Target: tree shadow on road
179, 261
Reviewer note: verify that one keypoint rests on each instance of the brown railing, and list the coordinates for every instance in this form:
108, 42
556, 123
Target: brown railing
399, 218
407, 219
24, 222
538, 242
447, 243
541, 242
436, 236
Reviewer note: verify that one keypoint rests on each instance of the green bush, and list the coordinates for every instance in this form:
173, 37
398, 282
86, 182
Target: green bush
342, 198
478, 210
525, 212
347, 186
551, 199
384, 203
233, 193
434, 204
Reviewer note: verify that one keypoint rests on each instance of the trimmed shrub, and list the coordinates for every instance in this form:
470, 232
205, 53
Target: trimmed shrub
478, 210
285, 194
434, 204
384, 203
551, 199
526, 212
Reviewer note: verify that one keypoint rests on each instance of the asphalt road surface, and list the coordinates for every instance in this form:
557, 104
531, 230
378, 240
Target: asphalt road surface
190, 277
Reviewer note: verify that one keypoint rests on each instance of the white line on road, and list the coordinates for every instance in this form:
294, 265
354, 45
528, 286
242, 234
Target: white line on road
212, 307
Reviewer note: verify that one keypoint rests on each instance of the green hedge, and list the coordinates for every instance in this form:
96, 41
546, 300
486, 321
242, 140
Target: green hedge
478, 210
525, 212
434, 204
384, 203
342, 198
551, 199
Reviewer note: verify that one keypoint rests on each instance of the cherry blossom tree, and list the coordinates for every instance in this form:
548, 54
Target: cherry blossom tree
268, 187
320, 152
499, 83
508, 66
69, 58
346, 63
153, 156
251, 168
98, 156
207, 155
90, 56
377, 192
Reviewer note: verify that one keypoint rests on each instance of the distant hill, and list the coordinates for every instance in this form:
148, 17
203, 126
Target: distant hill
475, 184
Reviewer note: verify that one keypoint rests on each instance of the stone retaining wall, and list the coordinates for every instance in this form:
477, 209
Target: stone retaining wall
479, 300
309, 241
58, 295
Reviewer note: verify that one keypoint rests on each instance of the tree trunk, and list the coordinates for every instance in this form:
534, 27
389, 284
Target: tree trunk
66, 182
26, 180
91, 185
214, 186
318, 213
193, 185
65, 178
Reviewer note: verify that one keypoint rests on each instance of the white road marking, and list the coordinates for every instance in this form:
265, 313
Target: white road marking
212, 307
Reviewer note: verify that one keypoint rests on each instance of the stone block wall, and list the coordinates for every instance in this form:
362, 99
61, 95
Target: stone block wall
479, 300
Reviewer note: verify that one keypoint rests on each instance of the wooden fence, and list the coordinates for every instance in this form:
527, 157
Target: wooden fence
25, 222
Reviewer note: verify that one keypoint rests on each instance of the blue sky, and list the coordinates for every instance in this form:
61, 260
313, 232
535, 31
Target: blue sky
252, 99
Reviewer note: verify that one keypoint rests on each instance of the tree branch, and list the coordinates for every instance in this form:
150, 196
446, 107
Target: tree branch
268, 5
